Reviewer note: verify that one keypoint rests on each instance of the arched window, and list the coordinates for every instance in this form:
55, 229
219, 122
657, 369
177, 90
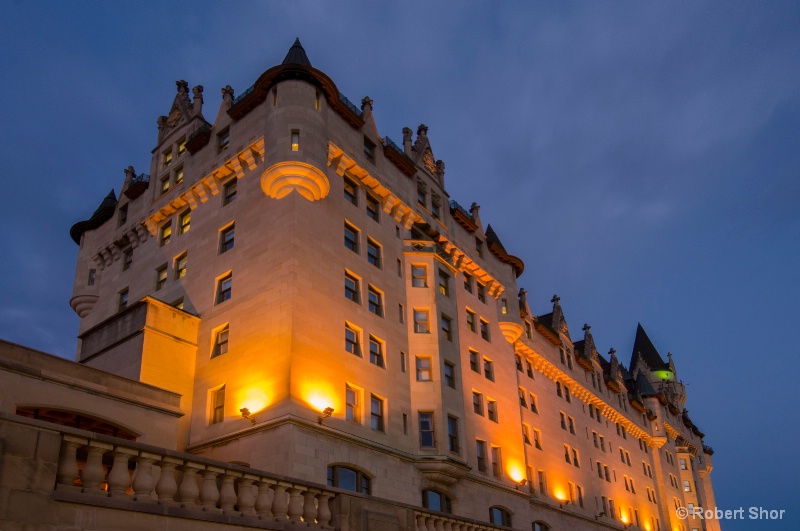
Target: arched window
349, 479
74, 419
540, 526
436, 501
499, 516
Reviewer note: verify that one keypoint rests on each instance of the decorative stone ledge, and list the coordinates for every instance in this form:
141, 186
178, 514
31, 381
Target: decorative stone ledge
511, 331
283, 178
83, 304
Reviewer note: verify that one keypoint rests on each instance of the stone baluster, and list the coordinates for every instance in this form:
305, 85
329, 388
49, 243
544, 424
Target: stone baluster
189, 491
264, 500
93, 473
450, 526
295, 504
119, 478
167, 486
209, 493
421, 523
247, 499
429, 524
68, 461
310, 506
143, 480
280, 502
438, 524
323, 510
227, 493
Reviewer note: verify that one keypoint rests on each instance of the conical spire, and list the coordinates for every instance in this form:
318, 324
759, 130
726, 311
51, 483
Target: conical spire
642, 345
296, 55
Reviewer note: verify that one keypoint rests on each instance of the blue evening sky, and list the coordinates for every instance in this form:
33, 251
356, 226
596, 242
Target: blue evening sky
641, 157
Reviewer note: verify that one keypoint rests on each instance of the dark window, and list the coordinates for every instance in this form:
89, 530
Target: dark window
376, 413
447, 328
348, 479
223, 140
376, 352
369, 149
450, 375
375, 301
122, 215
373, 208
229, 192
226, 239
426, 435
499, 516
351, 237
452, 434
224, 286
122, 301
161, 277
220, 342
127, 259
351, 289
374, 253
436, 501
351, 340
218, 405
350, 191
481, 453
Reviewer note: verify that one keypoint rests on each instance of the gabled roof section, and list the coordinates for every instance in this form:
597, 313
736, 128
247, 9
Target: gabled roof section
497, 249
103, 213
644, 386
296, 55
642, 345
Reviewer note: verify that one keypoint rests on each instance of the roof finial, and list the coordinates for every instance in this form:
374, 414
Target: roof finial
555, 299
586, 327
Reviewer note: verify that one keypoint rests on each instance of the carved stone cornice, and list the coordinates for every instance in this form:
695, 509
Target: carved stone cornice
657, 442
283, 178
511, 331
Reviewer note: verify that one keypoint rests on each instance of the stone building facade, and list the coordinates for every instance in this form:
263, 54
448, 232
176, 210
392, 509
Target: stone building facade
334, 342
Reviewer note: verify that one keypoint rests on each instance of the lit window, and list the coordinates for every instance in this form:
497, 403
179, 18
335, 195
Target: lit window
122, 300
351, 288
127, 259
352, 343
471, 321
477, 402
424, 371
181, 145
373, 208
353, 410
449, 375
687, 486
223, 140
376, 352
184, 222
376, 413
220, 342
485, 330
224, 286
295, 140
436, 501
504, 307
351, 237
488, 369
452, 435
165, 234
168, 157
444, 283
229, 191
163, 184
350, 191
447, 328
419, 276
426, 434
499, 516
178, 176
474, 363
348, 479
161, 277
178, 303
491, 409
374, 253
480, 450
421, 323
180, 265
375, 301
481, 293
226, 239
217, 405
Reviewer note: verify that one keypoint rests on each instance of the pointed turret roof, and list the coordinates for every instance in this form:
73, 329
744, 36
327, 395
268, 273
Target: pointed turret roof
103, 213
642, 345
296, 55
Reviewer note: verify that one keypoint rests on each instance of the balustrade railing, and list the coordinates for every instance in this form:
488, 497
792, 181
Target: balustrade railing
144, 475
427, 521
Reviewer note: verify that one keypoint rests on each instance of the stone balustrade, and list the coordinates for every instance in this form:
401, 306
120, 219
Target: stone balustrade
438, 522
145, 475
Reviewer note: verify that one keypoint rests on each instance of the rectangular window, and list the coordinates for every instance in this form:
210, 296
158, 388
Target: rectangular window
168, 157
522, 398
184, 222
220, 342
444, 283
421, 322
450, 375
575, 460
436, 207
226, 239
491, 409
563, 420
376, 413
485, 330
351, 237
566, 454
373, 208
419, 276
424, 371
422, 193
452, 434
399, 268
567, 396
376, 352
161, 277
352, 400
426, 434
122, 300
224, 286
683, 464
180, 265
480, 451
474, 361
526, 434
401, 313
504, 306
571, 425
497, 462
375, 301
127, 259
542, 482
479, 246
369, 149
178, 176
537, 439
217, 405
518, 362
374, 254
223, 140
122, 215
229, 192
488, 369
402, 361
352, 290
352, 340
687, 486
471, 321
350, 191
477, 402
481, 293
468, 282
447, 328
534, 406
163, 184
165, 234
181, 145
92, 277
295, 140
528, 330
